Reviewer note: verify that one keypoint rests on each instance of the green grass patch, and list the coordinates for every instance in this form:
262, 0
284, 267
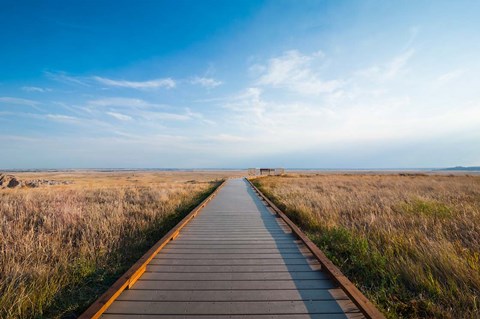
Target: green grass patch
429, 208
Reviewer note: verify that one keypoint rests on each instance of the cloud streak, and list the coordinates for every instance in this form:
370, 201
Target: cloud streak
390, 70
63, 77
167, 83
18, 101
209, 83
35, 89
296, 72
121, 102
119, 116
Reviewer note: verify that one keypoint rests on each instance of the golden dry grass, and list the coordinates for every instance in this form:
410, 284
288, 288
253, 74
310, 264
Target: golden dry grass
62, 246
411, 243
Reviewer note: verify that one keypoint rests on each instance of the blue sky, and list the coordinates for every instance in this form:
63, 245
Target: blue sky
218, 84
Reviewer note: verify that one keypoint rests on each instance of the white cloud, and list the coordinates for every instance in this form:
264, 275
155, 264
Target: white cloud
390, 70
151, 84
140, 109
120, 116
121, 102
18, 101
227, 138
450, 76
35, 89
164, 116
206, 82
398, 64
61, 117
198, 116
65, 78
88, 81
249, 105
295, 71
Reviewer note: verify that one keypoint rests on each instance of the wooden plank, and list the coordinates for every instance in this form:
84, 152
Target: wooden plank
214, 225
237, 276
243, 232
231, 295
235, 236
234, 261
222, 251
233, 285
236, 268
235, 246
231, 238
351, 315
235, 232
232, 307
237, 222
228, 256
289, 239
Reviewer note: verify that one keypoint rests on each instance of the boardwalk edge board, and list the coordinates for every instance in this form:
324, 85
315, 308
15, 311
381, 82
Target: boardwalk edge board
362, 302
127, 280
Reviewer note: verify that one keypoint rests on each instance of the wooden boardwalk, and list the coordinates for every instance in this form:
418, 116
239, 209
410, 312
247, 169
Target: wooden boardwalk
235, 259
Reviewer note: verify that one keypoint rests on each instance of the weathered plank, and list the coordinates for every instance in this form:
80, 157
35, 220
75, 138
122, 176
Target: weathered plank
229, 256
233, 285
233, 307
232, 295
235, 268
234, 250
346, 315
264, 275
235, 261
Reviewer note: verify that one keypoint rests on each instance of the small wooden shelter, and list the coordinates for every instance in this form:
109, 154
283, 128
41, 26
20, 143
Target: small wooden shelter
265, 171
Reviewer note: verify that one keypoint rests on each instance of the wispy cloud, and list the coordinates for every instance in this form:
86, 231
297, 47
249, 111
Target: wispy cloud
120, 116
248, 103
35, 89
295, 71
229, 138
87, 81
63, 77
122, 102
151, 84
390, 70
198, 116
165, 116
61, 117
126, 109
18, 101
450, 76
398, 63
206, 82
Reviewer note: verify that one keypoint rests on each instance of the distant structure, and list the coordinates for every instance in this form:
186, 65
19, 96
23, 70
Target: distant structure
265, 171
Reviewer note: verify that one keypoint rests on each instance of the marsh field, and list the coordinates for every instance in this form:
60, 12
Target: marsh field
62, 246
410, 242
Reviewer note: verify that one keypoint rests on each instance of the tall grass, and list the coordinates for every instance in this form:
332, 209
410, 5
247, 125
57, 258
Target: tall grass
411, 243
61, 247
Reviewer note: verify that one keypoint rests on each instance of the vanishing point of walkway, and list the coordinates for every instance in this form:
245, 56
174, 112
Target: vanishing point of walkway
234, 260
